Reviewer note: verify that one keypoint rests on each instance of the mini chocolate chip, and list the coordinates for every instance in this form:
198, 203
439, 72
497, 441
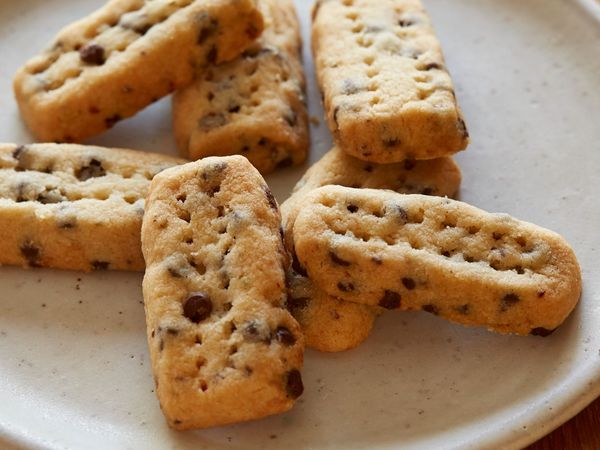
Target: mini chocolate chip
207, 30
285, 336
211, 56
112, 120
352, 208
92, 170
337, 260
463, 309
377, 260
540, 294
402, 213
92, 54
391, 142
405, 22
263, 141
234, 109
390, 300
463, 128
172, 331
432, 309
286, 162
541, 331
409, 283
212, 120
293, 384
197, 307
270, 197
67, 224
368, 168
507, 301
18, 152
445, 253
252, 333
427, 191
432, 66
31, 253
100, 265
345, 287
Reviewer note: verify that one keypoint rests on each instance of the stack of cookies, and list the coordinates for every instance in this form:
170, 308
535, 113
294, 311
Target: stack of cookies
234, 289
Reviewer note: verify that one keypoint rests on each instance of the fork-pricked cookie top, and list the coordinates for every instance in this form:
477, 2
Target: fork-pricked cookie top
128, 54
386, 90
443, 256
254, 105
74, 207
224, 348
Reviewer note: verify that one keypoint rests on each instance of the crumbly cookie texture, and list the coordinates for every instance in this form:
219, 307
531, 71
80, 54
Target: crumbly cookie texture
386, 91
254, 105
328, 323
224, 349
415, 252
440, 177
128, 54
74, 207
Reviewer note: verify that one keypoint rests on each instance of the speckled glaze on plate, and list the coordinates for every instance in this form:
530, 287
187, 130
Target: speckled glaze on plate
74, 365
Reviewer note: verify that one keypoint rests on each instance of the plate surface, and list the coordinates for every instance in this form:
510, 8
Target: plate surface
74, 365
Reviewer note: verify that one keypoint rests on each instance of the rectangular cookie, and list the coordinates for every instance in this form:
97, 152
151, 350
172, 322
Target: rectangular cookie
254, 105
74, 207
224, 349
415, 252
126, 55
386, 91
330, 324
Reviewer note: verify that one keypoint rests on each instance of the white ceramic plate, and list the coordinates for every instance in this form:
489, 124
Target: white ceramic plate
74, 370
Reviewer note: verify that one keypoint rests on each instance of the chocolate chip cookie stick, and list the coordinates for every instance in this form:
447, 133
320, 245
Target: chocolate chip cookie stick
128, 54
252, 106
437, 255
74, 207
386, 91
224, 349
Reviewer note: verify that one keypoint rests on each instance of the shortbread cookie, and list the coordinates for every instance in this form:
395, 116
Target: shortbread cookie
126, 55
224, 349
328, 323
386, 91
445, 257
74, 207
433, 177
252, 106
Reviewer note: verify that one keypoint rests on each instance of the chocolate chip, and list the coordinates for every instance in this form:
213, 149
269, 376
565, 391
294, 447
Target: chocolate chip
377, 260
207, 30
540, 294
391, 142
507, 301
92, 54
66, 224
295, 304
463, 309
345, 287
402, 213
263, 141
293, 384
409, 283
172, 331
31, 253
463, 128
286, 162
197, 307
234, 109
427, 191
285, 336
432, 309
541, 331
211, 56
212, 120
352, 208
405, 22
92, 170
254, 331
337, 260
270, 198
100, 265
390, 300
432, 66
112, 120
18, 152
